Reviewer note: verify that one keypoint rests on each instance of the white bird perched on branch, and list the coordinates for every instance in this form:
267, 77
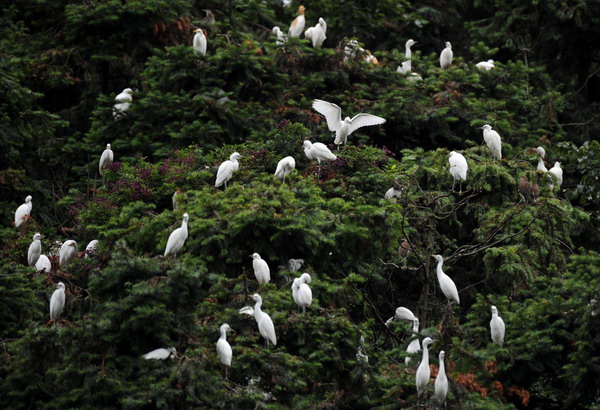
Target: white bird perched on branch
68, 252
441, 381
177, 237
285, 167
295, 286
280, 37
492, 140
317, 34
261, 268
485, 65
224, 348
199, 42
557, 171
393, 193
333, 115
161, 354
318, 151
57, 301
43, 264
91, 248
414, 346
23, 212
263, 320
446, 56
458, 168
226, 169
497, 327
298, 24
446, 284
407, 51
106, 159
541, 166
423, 371
304, 294
401, 313
35, 250
123, 100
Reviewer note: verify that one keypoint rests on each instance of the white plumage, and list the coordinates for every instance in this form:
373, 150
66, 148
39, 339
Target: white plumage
497, 327
423, 371
297, 25
223, 347
295, 287
43, 264
91, 248
318, 151
485, 65
280, 37
35, 250
414, 346
177, 237
23, 211
261, 268
557, 171
492, 140
541, 166
68, 252
458, 168
304, 295
123, 102
441, 381
161, 354
199, 42
226, 169
106, 159
57, 301
446, 56
392, 193
285, 167
317, 34
401, 313
407, 51
333, 115
446, 284
263, 320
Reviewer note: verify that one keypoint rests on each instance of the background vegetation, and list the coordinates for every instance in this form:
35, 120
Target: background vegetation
63, 62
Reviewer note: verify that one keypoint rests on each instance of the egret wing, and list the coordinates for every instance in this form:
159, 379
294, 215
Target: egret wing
247, 310
364, 120
224, 173
320, 150
332, 113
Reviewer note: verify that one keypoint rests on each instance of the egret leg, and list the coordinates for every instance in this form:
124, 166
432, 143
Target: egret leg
303, 309
453, 183
225, 185
284, 178
460, 187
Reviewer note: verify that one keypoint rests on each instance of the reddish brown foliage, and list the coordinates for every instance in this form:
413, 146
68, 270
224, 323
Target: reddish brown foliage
469, 381
522, 394
177, 32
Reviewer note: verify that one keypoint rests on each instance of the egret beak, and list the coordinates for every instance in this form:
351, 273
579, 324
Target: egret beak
480, 128
250, 255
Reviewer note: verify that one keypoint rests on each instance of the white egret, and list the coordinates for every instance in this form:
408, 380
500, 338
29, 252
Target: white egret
541, 166
161, 354
423, 371
280, 37
224, 348
406, 69
295, 287
106, 159
407, 51
352, 49
441, 381
91, 248
297, 25
285, 167
295, 264
497, 327
318, 151
286, 3
446, 56
178, 198
23, 212
226, 169
446, 284
414, 346
458, 168
35, 250
43, 264
492, 140
557, 171
304, 294
199, 42
68, 252
261, 268
393, 193
123, 102
177, 237
333, 115
485, 65
263, 320
57, 301
401, 313
317, 34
